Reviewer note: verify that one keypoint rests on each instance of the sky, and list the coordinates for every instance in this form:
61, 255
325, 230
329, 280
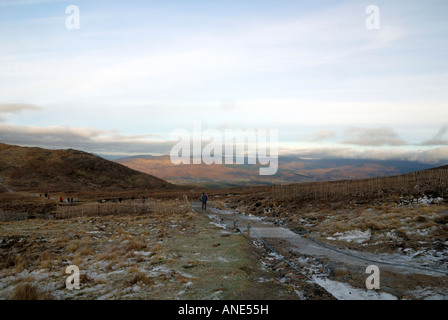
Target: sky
130, 73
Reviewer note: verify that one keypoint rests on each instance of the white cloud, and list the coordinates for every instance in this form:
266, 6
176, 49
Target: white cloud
13, 108
86, 139
316, 69
323, 135
434, 156
440, 138
112, 142
17, 107
373, 137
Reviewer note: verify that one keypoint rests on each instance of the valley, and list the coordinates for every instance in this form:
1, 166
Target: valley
302, 241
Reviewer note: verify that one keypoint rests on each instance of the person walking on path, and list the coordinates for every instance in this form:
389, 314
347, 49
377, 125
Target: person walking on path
204, 199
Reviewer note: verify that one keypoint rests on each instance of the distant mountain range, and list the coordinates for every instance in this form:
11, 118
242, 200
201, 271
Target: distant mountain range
291, 169
25, 168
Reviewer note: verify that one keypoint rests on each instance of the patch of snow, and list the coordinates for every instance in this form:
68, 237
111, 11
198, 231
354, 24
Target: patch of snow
221, 211
300, 294
272, 256
222, 259
430, 294
219, 225
357, 236
143, 253
343, 291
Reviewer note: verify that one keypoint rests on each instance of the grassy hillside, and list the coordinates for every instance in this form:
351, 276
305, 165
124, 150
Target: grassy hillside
23, 168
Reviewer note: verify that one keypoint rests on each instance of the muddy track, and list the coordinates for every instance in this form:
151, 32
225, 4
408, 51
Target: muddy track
340, 271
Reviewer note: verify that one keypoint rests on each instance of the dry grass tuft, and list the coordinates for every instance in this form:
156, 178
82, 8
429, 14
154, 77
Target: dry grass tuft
402, 233
27, 291
141, 278
84, 251
45, 259
19, 264
443, 219
72, 247
46, 255
135, 245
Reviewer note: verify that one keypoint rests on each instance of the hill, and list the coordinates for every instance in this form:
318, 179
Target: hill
25, 168
291, 169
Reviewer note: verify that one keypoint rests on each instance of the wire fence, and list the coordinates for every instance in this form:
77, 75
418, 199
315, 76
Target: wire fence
149, 206
415, 184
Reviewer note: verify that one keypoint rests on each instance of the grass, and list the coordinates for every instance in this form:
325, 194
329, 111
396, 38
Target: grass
415, 226
45, 259
27, 291
12, 216
99, 244
19, 264
141, 278
150, 206
135, 245
117, 248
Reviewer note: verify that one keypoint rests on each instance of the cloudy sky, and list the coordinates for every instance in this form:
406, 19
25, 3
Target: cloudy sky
135, 71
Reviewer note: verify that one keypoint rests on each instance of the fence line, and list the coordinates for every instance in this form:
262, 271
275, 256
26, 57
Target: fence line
414, 184
129, 207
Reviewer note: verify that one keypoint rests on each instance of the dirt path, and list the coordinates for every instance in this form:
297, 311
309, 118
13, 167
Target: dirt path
340, 271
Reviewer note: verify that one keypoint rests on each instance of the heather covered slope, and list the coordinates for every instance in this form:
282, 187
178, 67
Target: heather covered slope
24, 168
291, 169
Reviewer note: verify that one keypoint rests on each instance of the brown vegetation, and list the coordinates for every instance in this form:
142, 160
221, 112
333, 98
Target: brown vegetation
27, 291
290, 170
46, 170
416, 184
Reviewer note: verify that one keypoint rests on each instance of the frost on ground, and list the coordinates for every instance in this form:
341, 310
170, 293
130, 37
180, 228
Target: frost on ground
343, 291
418, 230
353, 235
388, 234
156, 256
